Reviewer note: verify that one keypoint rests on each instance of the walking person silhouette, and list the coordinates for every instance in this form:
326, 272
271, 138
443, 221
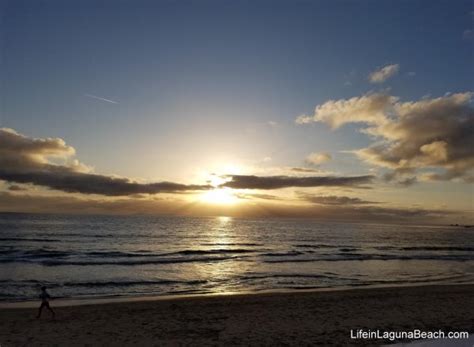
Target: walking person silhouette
44, 296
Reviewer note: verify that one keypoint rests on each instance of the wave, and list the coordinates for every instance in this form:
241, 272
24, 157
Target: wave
346, 248
101, 283
44, 256
211, 251
131, 283
274, 276
21, 254
231, 244
139, 262
365, 257
438, 248
78, 235
317, 245
27, 239
49, 257
283, 254
141, 253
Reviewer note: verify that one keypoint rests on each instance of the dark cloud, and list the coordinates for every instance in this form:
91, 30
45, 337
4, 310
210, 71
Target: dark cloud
398, 214
27, 160
304, 170
278, 182
85, 183
16, 188
27, 202
406, 182
400, 178
258, 196
333, 200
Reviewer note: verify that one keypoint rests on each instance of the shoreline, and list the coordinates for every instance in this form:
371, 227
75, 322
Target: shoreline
104, 300
291, 318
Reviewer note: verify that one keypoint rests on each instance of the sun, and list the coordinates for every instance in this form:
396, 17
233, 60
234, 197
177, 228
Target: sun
219, 196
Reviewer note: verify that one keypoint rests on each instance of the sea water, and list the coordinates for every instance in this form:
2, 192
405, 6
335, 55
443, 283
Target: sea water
106, 256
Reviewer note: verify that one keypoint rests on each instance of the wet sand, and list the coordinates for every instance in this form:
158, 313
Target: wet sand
271, 319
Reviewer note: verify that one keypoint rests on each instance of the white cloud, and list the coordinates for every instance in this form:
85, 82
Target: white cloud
370, 108
318, 158
383, 74
429, 133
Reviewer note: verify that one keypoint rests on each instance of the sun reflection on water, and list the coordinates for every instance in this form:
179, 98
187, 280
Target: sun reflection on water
224, 219
223, 275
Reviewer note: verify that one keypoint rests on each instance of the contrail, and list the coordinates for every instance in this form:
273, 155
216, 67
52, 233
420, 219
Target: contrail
99, 98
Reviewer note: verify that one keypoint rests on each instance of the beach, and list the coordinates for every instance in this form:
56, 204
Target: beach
289, 318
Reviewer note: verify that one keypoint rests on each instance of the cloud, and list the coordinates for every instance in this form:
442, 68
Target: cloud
370, 108
19, 202
305, 170
16, 188
33, 203
278, 182
383, 74
400, 178
394, 214
258, 196
100, 98
318, 158
28, 160
333, 200
431, 133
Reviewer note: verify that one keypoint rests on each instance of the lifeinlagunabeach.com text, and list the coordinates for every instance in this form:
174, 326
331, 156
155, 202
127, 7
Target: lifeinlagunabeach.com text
416, 334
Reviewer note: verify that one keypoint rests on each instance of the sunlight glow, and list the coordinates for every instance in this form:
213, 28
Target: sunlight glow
219, 196
216, 180
224, 219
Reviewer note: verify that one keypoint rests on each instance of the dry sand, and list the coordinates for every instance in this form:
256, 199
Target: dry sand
297, 319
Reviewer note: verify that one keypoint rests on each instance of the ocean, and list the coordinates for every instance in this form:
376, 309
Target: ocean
114, 256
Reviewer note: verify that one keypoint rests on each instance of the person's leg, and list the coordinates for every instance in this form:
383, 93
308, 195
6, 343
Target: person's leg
40, 310
50, 310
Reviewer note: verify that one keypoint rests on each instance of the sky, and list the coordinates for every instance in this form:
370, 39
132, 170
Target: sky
358, 110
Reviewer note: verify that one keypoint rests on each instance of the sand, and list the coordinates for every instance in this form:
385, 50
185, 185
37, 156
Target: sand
272, 319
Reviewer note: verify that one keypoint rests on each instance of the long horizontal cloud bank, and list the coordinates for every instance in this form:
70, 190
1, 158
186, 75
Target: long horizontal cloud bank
128, 205
48, 162
332, 200
430, 134
27, 160
278, 182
